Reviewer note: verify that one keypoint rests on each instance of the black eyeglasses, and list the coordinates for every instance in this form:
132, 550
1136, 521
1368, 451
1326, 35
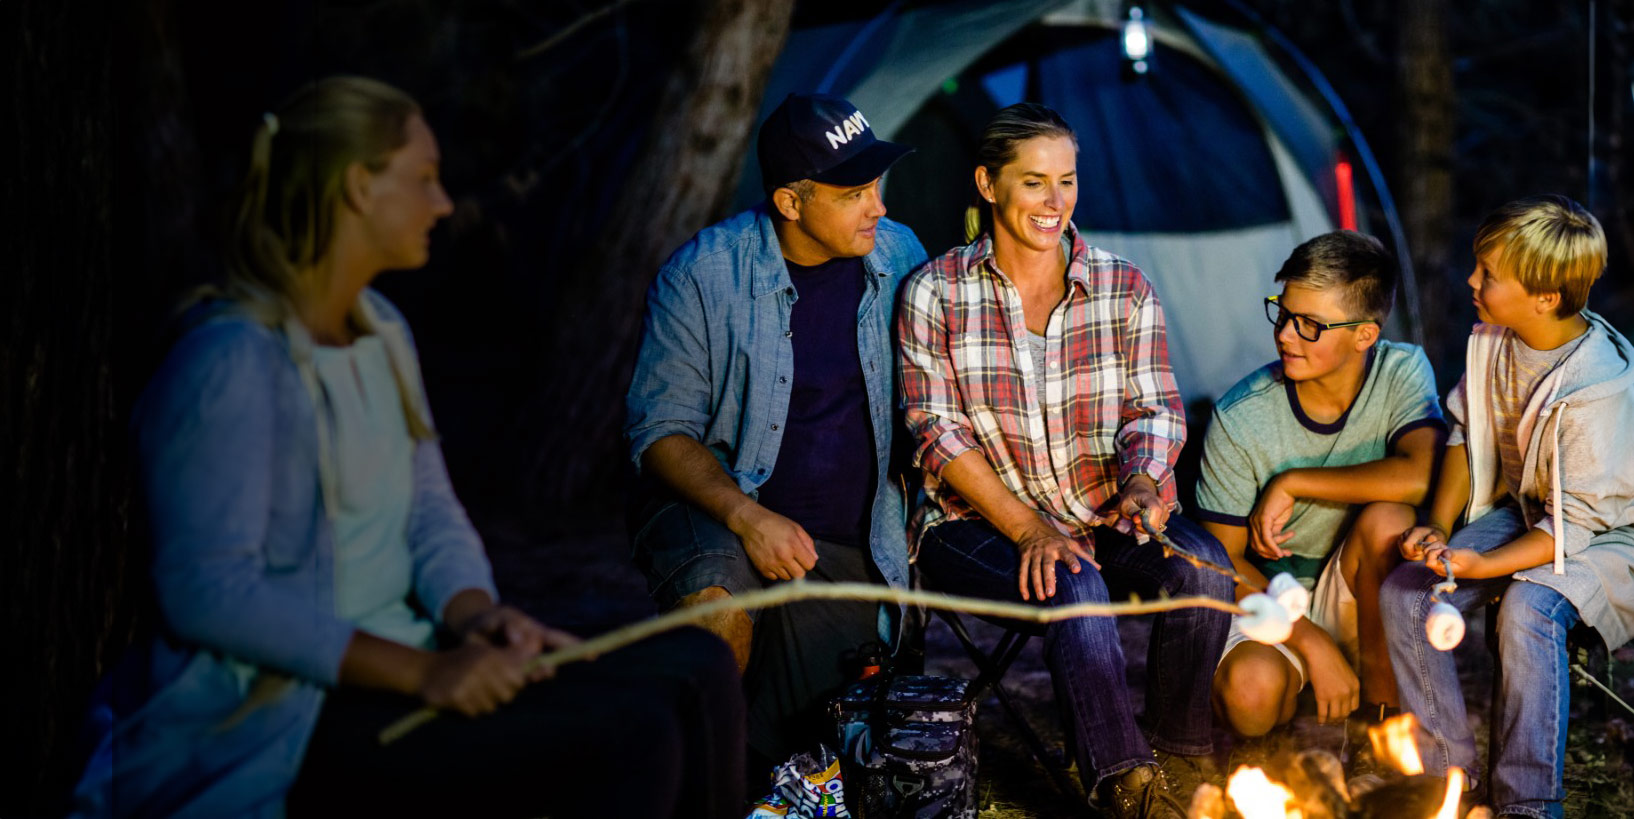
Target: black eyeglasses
1308, 328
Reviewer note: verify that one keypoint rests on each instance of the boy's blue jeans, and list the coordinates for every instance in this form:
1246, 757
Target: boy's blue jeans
1528, 764
1085, 658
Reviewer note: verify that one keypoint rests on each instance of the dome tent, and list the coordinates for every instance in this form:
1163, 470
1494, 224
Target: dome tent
1205, 171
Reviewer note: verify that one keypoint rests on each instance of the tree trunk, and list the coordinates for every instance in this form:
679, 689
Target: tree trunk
66, 486
1619, 152
1426, 175
684, 181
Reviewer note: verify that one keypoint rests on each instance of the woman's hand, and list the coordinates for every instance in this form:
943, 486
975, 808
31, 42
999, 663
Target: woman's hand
1040, 550
1139, 494
1270, 513
1416, 540
473, 679
504, 627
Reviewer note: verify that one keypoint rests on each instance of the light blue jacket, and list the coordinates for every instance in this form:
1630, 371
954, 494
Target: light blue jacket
212, 718
717, 361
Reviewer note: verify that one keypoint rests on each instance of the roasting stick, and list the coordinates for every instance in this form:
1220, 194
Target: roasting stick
1293, 598
1444, 625
1584, 673
1447, 587
798, 590
1172, 550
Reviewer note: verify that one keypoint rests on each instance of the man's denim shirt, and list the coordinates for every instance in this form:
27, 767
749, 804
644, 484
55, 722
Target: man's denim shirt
717, 359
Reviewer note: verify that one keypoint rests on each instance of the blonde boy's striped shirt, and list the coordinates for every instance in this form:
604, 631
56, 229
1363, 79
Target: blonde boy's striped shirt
1518, 371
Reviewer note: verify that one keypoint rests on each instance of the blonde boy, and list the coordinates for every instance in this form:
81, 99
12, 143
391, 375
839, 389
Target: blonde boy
1538, 466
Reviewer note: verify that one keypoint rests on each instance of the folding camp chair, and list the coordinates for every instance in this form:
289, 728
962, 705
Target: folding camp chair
992, 665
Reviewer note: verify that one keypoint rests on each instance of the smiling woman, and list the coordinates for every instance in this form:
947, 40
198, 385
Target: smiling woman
1036, 380
316, 576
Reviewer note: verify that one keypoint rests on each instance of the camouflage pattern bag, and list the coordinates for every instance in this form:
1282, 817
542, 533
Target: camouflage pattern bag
908, 747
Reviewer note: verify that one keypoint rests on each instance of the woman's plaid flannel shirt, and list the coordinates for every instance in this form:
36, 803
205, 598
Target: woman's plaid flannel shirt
1110, 407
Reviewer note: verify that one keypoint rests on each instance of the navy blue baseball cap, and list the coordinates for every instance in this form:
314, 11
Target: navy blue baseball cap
822, 138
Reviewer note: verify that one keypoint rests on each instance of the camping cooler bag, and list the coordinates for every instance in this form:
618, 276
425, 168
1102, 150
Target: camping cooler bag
908, 747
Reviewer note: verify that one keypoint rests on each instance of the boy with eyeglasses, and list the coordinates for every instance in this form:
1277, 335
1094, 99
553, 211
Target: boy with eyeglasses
1313, 465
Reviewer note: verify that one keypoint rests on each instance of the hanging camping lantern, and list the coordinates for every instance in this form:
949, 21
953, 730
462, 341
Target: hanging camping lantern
1137, 41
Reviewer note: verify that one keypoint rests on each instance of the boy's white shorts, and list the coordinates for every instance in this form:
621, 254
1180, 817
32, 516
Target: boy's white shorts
1333, 608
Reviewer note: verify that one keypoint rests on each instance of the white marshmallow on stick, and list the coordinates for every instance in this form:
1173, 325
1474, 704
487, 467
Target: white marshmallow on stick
1444, 626
1267, 621
1293, 595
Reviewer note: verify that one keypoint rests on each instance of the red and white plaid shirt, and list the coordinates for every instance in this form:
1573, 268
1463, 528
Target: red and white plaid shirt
1106, 407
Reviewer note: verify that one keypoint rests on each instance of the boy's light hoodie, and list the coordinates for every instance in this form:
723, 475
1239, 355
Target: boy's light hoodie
1578, 473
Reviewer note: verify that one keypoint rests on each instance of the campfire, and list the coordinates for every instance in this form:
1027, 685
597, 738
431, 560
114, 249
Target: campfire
1311, 785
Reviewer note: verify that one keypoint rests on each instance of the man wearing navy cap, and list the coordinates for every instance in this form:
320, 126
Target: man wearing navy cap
762, 409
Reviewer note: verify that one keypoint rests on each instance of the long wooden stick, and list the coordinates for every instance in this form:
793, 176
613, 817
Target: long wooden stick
1446, 587
1584, 673
798, 590
1170, 549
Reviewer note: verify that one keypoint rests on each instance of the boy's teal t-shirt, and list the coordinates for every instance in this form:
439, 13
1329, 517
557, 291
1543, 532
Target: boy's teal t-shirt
1260, 431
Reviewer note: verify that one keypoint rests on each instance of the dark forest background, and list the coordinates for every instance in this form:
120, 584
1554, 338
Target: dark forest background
583, 140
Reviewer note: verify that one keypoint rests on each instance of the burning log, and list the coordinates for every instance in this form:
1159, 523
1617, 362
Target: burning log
1311, 785
1318, 779
1207, 802
1420, 795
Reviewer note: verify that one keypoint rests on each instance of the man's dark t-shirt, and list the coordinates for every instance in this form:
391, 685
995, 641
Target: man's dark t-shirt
824, 477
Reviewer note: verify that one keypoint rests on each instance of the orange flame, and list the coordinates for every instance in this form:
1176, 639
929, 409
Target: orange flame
1393, 743
1257, 797
1455, 789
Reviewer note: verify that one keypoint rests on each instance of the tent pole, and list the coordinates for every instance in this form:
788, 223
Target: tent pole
833, 75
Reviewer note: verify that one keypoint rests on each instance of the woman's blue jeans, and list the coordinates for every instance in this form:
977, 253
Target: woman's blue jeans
1528, 764
1085, 658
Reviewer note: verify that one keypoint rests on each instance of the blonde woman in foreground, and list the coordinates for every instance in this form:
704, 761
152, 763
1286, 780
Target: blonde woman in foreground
316, 576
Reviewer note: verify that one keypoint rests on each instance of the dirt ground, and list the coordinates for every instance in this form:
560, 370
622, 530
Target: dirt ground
584, 581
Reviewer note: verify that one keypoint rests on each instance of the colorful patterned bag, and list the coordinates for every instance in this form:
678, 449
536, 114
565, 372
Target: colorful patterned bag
908, 747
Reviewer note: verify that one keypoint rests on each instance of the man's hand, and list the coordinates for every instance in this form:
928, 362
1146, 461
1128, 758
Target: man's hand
1040, 550
1270, 513
509, 629
1465, 562
1139, 494
778, 547
1338, 692
1417, 540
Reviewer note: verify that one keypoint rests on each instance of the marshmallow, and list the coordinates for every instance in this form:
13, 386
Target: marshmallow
1289, 592
1444, 626
1266, 621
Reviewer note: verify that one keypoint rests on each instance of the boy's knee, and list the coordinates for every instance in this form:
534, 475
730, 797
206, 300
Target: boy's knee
1378, 529
1250, 691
